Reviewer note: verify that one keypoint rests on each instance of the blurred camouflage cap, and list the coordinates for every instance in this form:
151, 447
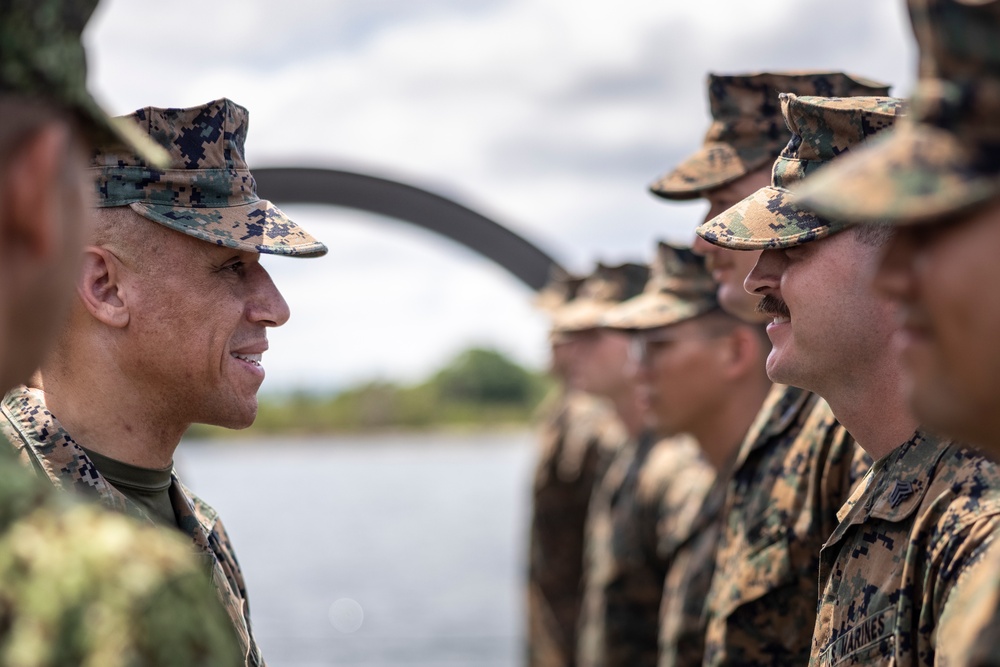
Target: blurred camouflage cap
747, 131
823, 128
945, 158
210, 194
558, 291
42, 58
601, 291
679, 288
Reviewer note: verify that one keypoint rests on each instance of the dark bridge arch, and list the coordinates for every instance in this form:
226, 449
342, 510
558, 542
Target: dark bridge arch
296, 185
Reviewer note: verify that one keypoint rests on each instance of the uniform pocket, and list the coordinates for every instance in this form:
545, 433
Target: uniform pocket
767, 566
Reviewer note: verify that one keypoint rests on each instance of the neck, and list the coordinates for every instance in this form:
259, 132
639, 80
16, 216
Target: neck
874, 410
110, 420
721, 433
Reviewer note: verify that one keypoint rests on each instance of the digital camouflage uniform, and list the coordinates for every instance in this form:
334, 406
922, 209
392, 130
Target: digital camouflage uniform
928, 510
641, 511
580, 436
938, 163
797, 465
44, 445
925, 514
646, 506
83, 587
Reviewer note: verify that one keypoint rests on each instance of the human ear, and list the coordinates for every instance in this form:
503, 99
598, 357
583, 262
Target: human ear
101, 289
31, 195
744, 353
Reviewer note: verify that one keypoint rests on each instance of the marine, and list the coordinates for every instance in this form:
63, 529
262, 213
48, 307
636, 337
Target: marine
935, 181
796, 465
929, 507
579, 436
167, 328
702, 371
81, 585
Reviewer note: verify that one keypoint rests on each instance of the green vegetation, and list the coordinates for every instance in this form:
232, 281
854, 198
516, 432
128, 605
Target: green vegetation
479, 387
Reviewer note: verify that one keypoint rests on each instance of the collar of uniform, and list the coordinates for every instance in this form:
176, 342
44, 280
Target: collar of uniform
896, 484
780, 410
39, 435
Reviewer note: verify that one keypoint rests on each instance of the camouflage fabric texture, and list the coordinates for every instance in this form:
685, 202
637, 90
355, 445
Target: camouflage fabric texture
747, 131
970, 621
795, 469
823, 129
644, 509
598, 293
44, 444
688, 581
579, 438
926, 513
210, 193
41, 58
679, 288
944, 158
86, 588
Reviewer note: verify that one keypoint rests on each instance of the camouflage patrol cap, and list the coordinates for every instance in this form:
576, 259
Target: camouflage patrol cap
747, 131
558, 291
605, 287
42, 58
210, 194
945, 158
823, 128
679, 288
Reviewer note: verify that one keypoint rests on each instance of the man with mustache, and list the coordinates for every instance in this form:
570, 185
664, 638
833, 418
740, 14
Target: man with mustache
167, 329
936, 181
796, 465
929, 507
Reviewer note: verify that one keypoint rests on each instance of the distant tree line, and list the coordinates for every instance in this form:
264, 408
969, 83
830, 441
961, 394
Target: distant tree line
478, 387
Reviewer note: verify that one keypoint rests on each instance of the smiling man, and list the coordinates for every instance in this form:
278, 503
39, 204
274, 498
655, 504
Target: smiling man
929, 508
936, 181
167, 329
760, 609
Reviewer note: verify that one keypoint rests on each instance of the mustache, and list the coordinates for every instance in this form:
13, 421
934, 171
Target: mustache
772, 305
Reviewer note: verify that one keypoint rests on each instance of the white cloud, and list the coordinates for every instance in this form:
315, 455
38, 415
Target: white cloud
549, 115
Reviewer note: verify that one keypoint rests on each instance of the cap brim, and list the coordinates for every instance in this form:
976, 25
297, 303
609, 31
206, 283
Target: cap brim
714, 165
656, 309
580, 315
913, 174
769, 218
260, 227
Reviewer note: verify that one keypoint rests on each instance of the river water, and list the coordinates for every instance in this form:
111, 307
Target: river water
419, 540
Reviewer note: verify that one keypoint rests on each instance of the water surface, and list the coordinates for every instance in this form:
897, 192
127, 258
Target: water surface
426, 533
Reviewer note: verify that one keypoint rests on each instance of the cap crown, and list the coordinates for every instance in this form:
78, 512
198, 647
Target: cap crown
612, 284
959, 86
205, 144
746, 113
824, 128
679, 271
747, 130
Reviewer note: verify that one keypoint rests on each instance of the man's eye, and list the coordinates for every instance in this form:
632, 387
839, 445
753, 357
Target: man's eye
236, 267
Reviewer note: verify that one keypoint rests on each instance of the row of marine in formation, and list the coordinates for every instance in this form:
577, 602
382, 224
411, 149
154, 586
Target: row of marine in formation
760, 455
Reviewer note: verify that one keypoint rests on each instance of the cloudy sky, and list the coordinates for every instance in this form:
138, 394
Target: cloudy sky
550, 116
